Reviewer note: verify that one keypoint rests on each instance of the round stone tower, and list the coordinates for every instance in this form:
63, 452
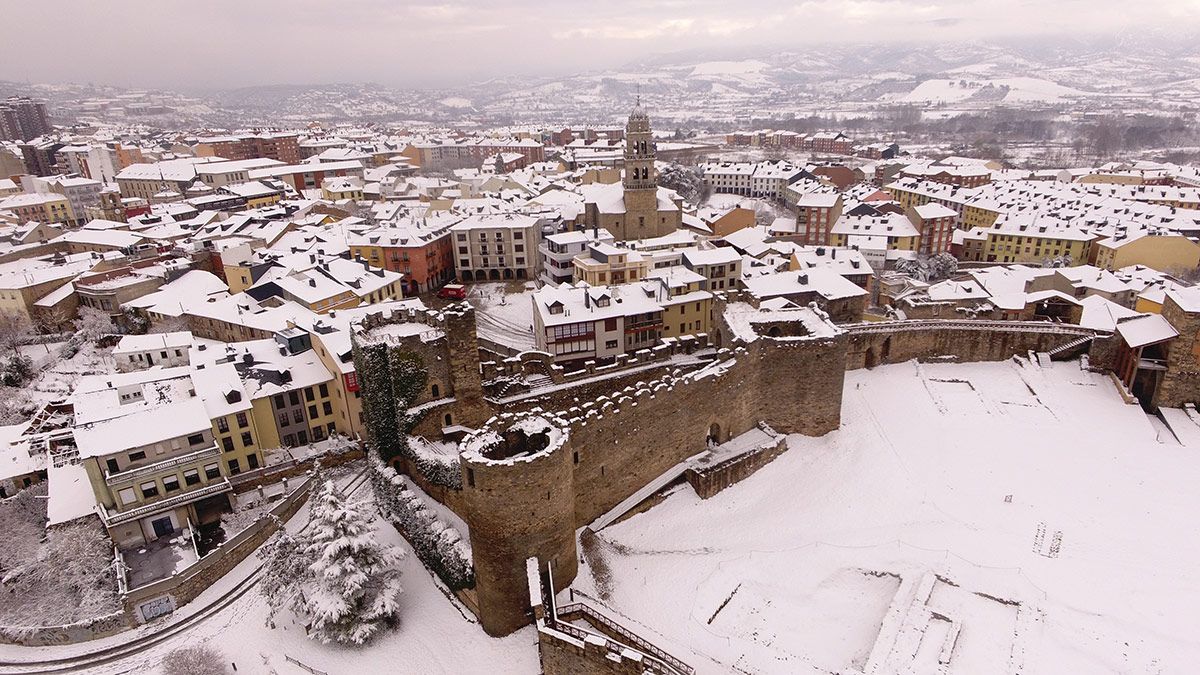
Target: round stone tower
519, 503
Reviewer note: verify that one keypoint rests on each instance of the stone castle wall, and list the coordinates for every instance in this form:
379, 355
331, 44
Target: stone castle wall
626, 432
964, 340
513, 507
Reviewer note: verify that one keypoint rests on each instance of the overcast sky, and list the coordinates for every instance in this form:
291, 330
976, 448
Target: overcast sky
225, 43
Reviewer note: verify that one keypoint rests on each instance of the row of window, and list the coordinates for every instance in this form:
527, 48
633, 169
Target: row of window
297, 416
170, 484
318, 434
242, 422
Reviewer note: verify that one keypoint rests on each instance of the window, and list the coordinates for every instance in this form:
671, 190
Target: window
171, 483
212, 471
127, 496
234, 467
611, 344
318, 433
308, 394
610, 324
137, 456
312, 412
196, 439
279, 401
112, 465
294, 397
433, 391
252, 460
283, 419
327, 407
298, 416
289, 440
178, 353
227, 444
302, 437
324, 390
222, 424
191, 477
149, 489
247, 439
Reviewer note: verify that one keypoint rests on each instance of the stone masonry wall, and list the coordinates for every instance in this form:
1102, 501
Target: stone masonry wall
793, 385
708, 481
514, 508
1181, 382
563, 655
982, 342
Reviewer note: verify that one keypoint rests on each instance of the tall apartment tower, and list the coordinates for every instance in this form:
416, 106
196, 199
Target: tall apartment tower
22, 118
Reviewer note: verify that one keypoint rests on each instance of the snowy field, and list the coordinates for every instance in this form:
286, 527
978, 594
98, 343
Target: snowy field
975, 518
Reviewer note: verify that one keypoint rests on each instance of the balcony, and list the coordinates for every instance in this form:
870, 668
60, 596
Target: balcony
112, 518
155, 468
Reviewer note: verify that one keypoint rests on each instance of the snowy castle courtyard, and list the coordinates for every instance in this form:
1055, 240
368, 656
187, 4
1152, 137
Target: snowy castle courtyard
966, 518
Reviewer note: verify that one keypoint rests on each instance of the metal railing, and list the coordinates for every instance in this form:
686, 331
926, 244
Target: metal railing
655, 659
111, 518
153, 468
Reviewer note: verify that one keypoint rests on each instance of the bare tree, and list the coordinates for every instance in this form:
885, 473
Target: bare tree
15, 329
54, 319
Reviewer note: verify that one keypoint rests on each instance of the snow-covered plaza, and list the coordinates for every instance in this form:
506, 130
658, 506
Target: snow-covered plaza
966, 518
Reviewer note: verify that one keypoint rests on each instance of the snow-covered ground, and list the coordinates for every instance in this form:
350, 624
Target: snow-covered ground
435, 634
504, 316
1006, 517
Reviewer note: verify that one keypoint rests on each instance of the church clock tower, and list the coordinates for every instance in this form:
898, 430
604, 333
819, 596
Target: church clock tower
641, 190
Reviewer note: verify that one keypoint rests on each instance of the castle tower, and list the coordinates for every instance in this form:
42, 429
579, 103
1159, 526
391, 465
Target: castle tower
642, 219
519, 498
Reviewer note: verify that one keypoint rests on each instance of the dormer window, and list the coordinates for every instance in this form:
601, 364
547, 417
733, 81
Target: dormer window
556, 307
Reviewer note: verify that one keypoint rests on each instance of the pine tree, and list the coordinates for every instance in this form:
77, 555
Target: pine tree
335, 574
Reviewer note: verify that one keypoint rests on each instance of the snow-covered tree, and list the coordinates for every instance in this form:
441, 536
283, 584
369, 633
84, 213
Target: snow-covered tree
685, 180
16, 370
94, 324
335, 575
928, 268
195, 660
941, 266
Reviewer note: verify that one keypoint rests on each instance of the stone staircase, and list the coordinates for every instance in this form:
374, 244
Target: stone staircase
1067, 351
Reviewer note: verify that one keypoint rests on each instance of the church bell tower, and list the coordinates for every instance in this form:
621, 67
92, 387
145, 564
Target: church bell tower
641, 190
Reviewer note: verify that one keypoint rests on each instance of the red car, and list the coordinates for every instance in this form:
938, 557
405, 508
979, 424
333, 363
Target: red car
453, 291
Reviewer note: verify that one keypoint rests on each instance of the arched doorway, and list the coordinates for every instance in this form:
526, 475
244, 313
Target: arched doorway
495, 275
714, 435
448, 420
508, 274
434, 391
869, 359
885, 350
